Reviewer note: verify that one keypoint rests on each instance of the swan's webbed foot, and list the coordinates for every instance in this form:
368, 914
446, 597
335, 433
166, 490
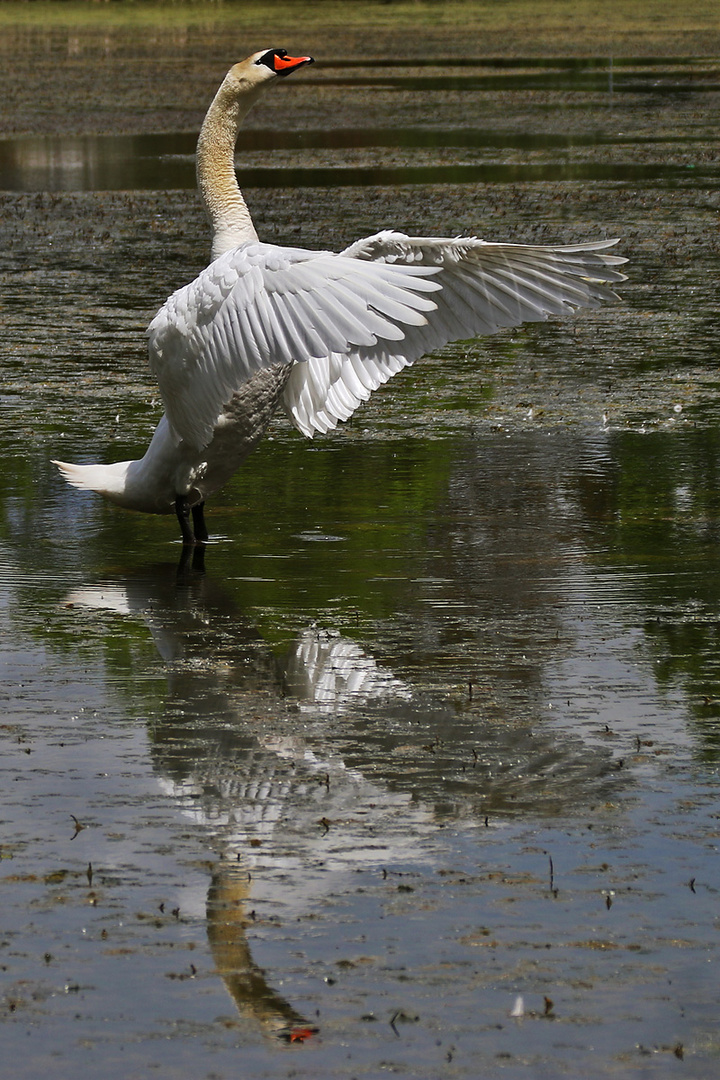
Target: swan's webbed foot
197, 532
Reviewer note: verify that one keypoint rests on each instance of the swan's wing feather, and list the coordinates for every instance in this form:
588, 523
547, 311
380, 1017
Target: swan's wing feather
484, 287
348, 322
260, 305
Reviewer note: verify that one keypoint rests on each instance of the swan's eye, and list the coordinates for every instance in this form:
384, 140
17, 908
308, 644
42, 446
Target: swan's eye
268, 58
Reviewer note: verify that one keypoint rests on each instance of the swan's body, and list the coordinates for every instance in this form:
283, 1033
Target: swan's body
314, 331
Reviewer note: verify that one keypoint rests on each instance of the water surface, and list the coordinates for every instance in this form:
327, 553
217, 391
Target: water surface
418, 773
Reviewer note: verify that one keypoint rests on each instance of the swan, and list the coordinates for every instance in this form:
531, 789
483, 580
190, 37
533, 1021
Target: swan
316, 332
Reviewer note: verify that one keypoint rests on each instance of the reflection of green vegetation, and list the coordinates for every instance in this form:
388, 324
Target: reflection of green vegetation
657, 511
346, 518
687, 647
347, 521
666, 496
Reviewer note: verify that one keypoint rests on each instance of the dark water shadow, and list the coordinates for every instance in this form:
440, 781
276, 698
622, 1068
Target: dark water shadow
167, 162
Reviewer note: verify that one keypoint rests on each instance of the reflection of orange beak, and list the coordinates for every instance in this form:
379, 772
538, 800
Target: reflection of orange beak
300, 1034
285, 64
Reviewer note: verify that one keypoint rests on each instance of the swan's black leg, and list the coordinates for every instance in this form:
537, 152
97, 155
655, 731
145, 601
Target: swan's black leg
199, 525
183, 515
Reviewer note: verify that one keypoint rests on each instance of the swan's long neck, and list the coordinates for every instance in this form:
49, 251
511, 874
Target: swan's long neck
217, 183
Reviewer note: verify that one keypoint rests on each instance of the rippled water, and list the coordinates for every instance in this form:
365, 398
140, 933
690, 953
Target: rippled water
431, 739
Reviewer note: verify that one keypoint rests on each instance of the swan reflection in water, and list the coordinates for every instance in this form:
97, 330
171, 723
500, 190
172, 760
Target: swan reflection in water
308, 766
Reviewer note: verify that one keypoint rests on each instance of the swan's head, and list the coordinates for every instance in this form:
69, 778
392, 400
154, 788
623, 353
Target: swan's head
265, 65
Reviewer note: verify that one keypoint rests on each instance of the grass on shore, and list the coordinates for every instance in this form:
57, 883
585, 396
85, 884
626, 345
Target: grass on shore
519, 27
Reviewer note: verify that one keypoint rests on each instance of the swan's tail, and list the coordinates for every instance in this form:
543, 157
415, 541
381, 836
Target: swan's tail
87, 477
107, 480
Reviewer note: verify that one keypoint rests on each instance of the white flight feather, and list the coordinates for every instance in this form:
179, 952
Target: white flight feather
374, 308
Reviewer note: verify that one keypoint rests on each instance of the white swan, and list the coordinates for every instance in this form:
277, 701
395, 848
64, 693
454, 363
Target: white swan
314, 331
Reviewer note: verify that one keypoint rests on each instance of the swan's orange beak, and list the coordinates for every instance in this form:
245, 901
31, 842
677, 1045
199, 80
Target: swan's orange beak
283, 65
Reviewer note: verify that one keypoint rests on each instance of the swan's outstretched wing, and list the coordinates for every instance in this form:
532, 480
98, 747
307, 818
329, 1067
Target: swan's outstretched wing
484, 287
260, 305
350, 321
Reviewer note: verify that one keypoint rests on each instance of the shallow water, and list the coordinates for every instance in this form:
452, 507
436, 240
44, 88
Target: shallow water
432, 737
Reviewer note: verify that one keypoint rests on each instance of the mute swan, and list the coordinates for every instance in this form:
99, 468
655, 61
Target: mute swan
314, 331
